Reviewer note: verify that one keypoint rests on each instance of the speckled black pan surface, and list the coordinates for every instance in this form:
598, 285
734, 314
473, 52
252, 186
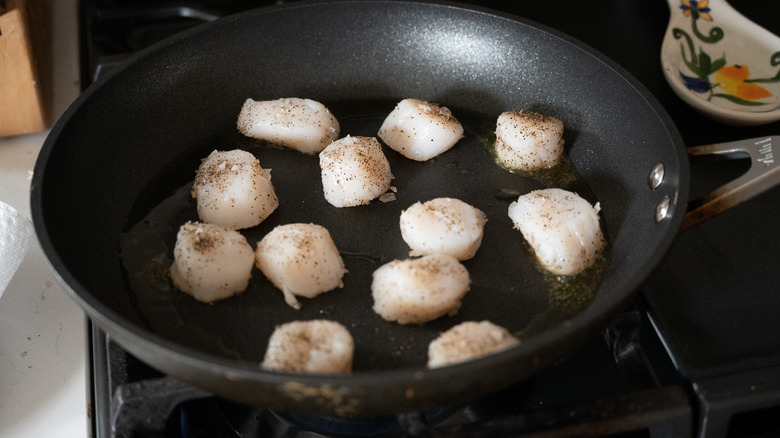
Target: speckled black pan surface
111, 188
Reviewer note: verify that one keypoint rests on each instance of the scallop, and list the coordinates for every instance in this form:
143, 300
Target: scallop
467, 341
420, 130
300, 260
415, 291
445, 225
211, 262
317, 346
354, 171
562, 228
527, 140
233, 190
301, 124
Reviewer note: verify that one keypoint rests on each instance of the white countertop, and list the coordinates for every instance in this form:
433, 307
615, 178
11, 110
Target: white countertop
43, 367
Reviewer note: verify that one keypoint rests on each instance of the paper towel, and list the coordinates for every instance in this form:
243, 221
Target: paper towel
16, 236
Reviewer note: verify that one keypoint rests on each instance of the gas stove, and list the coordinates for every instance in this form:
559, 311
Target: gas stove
621, 383
696, 354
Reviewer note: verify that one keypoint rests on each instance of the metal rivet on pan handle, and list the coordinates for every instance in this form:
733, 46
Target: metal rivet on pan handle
656, 176
662, 209
655, 179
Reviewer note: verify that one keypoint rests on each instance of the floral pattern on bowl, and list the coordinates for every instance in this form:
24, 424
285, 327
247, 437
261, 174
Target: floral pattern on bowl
713, 54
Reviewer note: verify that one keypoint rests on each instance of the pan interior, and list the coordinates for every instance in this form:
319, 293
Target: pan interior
117, 167
508, 288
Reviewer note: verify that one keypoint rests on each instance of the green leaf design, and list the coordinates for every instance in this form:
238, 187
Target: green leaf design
705, 62
695, 69
679, 33
737, 100
718, 64
716, 33
765, 80
707, 66
774, 61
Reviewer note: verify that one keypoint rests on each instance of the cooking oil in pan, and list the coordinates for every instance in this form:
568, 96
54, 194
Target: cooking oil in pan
238, 327
569, 295
562, 175
147, 254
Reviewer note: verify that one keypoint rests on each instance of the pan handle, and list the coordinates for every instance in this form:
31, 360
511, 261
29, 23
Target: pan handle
762, 175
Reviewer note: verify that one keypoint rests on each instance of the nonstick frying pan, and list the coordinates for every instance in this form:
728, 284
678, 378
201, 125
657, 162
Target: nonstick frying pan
111, 187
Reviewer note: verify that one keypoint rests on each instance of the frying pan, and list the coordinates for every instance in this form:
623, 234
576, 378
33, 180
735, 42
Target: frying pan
110, 189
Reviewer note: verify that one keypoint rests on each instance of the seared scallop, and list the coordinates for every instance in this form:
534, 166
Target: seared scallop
420, 130
468, 340
445, 225
354, 171
527, 140
318, 346
233, 190
562, 228
211, 262
415, 291
301, 124
300, 260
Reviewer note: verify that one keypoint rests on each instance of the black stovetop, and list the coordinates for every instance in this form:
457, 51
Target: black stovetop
697, 355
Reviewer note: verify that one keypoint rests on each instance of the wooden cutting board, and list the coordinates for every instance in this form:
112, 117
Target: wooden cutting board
24, 95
